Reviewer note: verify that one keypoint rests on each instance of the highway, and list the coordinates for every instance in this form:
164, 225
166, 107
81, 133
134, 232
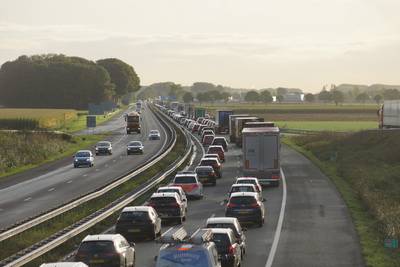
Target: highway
316, 228
40, 189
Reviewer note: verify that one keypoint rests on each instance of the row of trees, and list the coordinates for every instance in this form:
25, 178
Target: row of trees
58, 81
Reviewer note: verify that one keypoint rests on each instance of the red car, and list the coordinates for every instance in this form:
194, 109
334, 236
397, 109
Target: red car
217, 150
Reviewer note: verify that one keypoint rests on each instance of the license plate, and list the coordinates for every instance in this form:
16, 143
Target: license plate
96, 261
134, 230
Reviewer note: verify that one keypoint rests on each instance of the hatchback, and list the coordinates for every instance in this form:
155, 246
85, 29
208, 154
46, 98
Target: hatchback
206, 175
247, 207
220, 141
189, 183
217, 150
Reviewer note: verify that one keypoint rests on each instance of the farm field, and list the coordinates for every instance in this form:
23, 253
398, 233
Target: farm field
335, 126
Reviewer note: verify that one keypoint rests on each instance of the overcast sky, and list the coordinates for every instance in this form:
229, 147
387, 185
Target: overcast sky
240, 43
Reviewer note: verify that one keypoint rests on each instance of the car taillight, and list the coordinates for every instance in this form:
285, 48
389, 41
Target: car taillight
174, 205
151, 204
231, 250
255, 205
231, 205
275, 176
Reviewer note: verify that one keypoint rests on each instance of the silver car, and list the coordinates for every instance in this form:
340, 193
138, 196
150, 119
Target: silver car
83, 158
154, 135
134, 147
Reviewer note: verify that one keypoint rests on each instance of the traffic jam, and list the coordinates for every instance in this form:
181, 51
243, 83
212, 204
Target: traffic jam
221, 241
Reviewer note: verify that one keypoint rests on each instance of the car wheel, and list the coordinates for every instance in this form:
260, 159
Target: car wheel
261, 223
180, 220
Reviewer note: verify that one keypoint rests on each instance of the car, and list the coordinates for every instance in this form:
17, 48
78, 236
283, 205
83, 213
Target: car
190, 184
250, 180
206, 175
169, 206
103, 147
247, 207
229, 251
134, 147
212, 156
217, 149
213, 162
220, 141
209, 130
232, 223
207, 140
138, 222
179, 250
201, 127
154, 135
111, 250
195, 128
243, 188
64, 264
83, 158
176, 189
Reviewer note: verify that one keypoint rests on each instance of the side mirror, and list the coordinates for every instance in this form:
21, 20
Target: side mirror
263, 200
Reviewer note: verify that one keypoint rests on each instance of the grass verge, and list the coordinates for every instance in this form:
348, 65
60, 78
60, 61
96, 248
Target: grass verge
41, 231
367, 224
340, 126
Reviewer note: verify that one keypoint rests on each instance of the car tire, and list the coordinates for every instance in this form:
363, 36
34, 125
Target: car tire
180, 220
261, 223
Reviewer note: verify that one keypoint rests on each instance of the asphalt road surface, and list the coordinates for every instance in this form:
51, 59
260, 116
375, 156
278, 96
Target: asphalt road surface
32, 192
316, 229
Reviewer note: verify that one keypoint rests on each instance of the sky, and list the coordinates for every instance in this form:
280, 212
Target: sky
239, 43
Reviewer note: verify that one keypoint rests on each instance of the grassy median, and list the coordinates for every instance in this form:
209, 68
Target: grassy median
364, 167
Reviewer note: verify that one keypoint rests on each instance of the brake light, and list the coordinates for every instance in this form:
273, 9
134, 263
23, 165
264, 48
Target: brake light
231, 205
255, 205
275, 176
151, 204
174, 205
231, 250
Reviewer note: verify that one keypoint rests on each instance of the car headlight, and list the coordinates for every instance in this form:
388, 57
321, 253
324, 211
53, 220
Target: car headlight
87, 159
76, 160
109, 148
97, 148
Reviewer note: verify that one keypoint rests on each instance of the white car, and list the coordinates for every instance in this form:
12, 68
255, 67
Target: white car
190, 184
154, 135
250, 180
176, 189
243, 188
64, 264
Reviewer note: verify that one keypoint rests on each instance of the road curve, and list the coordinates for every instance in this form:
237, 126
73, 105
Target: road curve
28, 195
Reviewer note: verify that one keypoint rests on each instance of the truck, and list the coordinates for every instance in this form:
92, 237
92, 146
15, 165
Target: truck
239, 125
199, 113
132, 122
232, 125
257, 124
222, 120
261, 154
389, 114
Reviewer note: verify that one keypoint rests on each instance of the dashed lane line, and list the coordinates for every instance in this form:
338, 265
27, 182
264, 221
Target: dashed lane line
27, 199
51, 189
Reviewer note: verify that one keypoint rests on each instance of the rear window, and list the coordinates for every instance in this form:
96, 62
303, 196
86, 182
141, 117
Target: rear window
212, 150
97, 247
246, 182
162, 200
185, 180
208, 162
168, 190
135, 216
242, 189
243, 200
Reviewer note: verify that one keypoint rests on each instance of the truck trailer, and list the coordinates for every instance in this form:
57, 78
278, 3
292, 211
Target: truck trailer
239, 125
232, 125
132, 122
261, 154
222, 120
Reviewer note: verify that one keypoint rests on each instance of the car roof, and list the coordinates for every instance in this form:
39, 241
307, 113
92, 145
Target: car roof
205, 167
244, 194
220, 137
130, 142
166, 194
171, 187
211, 155
86, 151
64, 264
216, 146
186, 174
209, 159
103, 237
137, 208
238, 185
246, 178
222, 220
108, 142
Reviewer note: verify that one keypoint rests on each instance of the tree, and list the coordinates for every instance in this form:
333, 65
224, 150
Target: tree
202, 87
391, 94
214, 95
378, 98
225, 96
266, 97
325, 96
187, 97
122, 75
252, 96
203, 97
175, 91
309, 98
337, 97
281, 91
279, 98
362, 98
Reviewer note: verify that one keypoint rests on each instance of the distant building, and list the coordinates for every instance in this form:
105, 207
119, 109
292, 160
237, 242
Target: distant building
293, 98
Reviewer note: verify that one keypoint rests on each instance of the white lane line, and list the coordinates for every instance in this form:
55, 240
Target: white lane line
51, 189
27, 199
114, 160
84, 175
278, 229
70, 181
97, 170
222, 202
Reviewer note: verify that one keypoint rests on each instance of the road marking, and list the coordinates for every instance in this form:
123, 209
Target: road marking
278, 229
70, 181
84, 175
51, 189
97, 170
27, 199
114, 160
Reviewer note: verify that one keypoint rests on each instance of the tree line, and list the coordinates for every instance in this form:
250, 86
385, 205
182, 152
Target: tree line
59, 81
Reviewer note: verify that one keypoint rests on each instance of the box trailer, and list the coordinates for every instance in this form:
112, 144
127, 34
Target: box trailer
222, 120
261, 154
257, 124
239, 125
389, 114
232, 125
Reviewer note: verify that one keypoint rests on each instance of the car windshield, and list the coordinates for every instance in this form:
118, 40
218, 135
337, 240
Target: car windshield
134, 216
250, 181
153, 132
103, 144
135, 143
91, 247
244, 200
162, 200
183, 258
185, 180
82, 155
133, 118
204, 171
221, 241
242, 189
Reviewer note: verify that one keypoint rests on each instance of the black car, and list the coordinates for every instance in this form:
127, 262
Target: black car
134, 147
206, 175
247, 207
220, 141
138, 222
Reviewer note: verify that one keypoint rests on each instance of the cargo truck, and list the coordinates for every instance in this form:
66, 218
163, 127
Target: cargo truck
261, 154
132, 122
222, 120
239, 125
389, 114
232, 125
257, 124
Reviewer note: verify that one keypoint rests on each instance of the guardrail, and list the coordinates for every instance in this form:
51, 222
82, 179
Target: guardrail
44, 246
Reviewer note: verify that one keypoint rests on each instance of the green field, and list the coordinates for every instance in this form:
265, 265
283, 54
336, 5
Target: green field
339, 126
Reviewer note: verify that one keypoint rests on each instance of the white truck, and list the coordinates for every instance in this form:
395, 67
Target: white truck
261, 154
232, 125
389, 114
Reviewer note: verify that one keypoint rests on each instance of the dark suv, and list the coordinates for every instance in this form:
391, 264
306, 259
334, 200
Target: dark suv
247, 207
138, 222
220, 141
213, 162
169, 206
229, 251
206, 175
